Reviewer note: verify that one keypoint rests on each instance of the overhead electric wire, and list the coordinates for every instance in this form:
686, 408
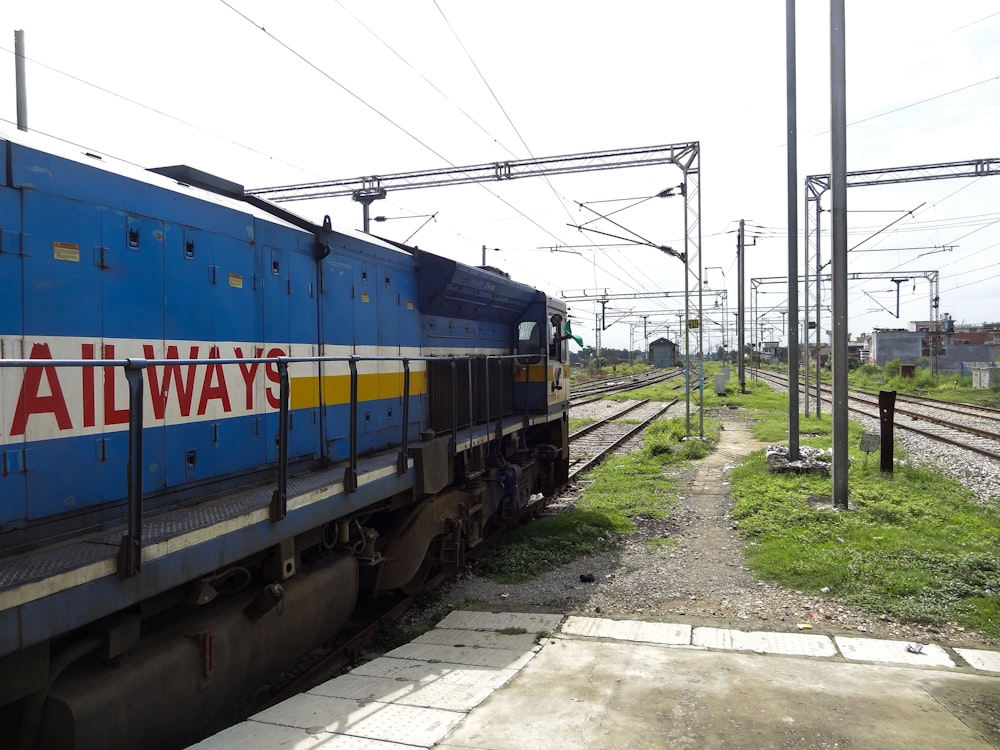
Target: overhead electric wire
378, 112
910, 105
958, 28
426, 80
559, 197
159, 112
887, 226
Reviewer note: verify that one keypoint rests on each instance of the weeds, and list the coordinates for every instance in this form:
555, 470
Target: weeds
914, 545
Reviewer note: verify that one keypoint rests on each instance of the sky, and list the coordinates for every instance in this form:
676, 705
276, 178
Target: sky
266, 94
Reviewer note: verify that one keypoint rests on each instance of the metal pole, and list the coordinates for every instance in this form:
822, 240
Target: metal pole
22, 92
805, 306
838, 191
793, 255
687, 329
701, 315
819, 311
741, 317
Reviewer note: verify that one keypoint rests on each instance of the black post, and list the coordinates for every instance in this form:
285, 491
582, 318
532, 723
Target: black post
351, 473
404, 449
130, 553
279, 500
886, 415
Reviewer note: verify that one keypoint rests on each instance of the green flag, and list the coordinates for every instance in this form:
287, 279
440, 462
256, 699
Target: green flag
568, 330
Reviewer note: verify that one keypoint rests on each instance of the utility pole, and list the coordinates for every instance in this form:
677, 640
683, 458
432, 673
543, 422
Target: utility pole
741, 304
22, 91
793, 256
838, 193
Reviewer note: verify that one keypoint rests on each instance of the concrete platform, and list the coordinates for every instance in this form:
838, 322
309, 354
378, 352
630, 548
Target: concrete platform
506, 681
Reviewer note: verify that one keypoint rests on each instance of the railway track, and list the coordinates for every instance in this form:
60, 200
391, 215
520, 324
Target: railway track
963, 426
586, 394
594, 442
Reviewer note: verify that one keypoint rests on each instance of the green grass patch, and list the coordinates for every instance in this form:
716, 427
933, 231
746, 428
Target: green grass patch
623, 489
576, 424
914, 545
666, 391
512, 631
944, 386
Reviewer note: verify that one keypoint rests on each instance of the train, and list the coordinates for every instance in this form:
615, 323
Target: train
222, 426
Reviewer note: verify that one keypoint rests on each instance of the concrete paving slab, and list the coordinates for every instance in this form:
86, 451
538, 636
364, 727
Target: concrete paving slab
452, 674
408, 725
432, 653
532, 622
252, 734
435, 694
478, 639
987, 661
893, 652
789, 644
628, 630
611, 695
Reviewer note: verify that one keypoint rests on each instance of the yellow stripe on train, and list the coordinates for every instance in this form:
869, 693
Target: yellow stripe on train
304, 393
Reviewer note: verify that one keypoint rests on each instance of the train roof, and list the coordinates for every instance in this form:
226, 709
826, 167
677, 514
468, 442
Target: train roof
450, 277
180, 179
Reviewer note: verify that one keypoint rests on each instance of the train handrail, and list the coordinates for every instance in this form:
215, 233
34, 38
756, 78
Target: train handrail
130, 549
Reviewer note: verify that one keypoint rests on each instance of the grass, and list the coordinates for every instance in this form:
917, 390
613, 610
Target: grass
623, 489
944, 387
914, 545
512, 631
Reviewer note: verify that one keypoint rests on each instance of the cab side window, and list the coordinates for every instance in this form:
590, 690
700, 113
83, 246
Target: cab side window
529, 338
557, 339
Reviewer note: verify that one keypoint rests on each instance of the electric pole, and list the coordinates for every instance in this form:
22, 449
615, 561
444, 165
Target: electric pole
742, 310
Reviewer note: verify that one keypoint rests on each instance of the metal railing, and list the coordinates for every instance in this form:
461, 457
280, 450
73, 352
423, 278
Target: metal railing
130, 549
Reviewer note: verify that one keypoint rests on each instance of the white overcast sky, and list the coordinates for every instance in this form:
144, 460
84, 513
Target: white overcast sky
344, 88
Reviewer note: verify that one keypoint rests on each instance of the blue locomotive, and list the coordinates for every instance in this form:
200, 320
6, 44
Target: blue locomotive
221, 424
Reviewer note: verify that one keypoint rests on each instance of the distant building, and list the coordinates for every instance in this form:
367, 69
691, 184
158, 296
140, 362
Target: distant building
663, 353
955, 346
896, 344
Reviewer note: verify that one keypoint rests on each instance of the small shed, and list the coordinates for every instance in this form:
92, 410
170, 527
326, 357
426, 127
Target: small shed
663, 353
985, 377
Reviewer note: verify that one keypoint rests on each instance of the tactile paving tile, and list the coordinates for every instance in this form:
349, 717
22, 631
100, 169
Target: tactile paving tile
253, 734
530, 621
893, 652
987, 661
478, 639
433, 653
431, 694
410, 725
629, 630
789, 644
407, 670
